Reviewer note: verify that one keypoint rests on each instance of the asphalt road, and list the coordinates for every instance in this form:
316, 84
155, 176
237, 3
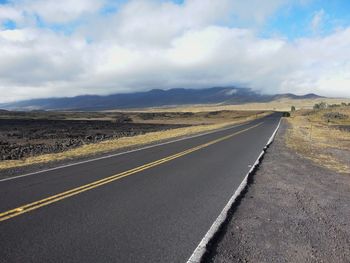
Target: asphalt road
152, 205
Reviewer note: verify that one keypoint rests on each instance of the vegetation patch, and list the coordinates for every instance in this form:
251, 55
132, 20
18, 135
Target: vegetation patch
323, 136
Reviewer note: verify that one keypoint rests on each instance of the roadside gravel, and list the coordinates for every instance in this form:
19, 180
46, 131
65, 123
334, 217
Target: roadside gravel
293, 211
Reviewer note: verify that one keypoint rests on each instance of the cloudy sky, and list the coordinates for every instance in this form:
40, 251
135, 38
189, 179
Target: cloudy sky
65, 48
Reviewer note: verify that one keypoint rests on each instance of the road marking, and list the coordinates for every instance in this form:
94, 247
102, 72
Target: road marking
55, 198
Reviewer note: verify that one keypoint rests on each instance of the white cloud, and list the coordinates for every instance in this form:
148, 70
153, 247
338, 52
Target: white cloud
153, 23
62, 11
148, 44
8, 12
317, 20
255, 11
50, 11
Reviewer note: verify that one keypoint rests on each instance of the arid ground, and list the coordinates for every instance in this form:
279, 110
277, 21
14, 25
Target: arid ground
296, 207
283, 104
41, 137
322, 136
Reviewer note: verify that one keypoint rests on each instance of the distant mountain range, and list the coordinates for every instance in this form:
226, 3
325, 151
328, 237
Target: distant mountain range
152, 98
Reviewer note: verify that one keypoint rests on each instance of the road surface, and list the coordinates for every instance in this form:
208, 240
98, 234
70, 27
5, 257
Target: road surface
152, 205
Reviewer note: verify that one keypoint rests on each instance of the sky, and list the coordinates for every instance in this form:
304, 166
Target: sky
51, 48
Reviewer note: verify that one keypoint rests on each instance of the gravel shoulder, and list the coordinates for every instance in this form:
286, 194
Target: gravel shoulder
293, 211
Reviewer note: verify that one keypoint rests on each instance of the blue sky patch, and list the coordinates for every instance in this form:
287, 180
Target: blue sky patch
296, 21
9, 25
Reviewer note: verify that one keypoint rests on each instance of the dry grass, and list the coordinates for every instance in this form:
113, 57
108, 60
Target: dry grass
319, 138
198, 118
277, 105
122, 143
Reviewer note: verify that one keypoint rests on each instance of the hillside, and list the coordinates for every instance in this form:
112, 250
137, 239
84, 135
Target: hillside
152, 98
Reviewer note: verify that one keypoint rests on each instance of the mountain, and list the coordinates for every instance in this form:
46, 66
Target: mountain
152, 98
294, 97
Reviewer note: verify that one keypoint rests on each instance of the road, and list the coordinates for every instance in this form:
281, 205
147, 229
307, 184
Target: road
152, 205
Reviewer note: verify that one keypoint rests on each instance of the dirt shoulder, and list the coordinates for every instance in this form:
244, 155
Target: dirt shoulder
293, 211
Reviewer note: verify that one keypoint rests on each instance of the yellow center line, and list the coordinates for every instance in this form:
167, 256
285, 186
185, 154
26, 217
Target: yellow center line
55, 198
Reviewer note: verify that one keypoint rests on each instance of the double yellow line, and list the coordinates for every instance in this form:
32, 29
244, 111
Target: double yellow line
55, 198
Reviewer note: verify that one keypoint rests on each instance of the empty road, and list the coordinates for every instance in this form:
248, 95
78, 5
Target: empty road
152, 205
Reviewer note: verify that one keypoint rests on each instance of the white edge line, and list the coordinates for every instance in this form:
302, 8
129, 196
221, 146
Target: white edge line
199, 252
122, 153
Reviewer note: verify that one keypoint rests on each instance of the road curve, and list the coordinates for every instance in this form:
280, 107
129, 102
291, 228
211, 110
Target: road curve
152, 205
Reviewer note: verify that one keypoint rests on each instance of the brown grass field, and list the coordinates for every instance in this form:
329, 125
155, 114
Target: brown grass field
323, 137
277, 105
